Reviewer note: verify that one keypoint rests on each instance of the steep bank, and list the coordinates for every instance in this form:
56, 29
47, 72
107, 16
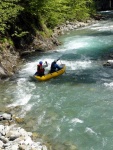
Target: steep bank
9, 59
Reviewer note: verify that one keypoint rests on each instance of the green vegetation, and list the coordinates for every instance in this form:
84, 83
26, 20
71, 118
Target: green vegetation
9, 10
52, 13
19, 19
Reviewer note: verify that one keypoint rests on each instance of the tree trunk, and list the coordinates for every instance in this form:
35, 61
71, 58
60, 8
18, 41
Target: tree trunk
110, 4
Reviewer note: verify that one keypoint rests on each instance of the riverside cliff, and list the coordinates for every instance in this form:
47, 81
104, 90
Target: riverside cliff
9, 59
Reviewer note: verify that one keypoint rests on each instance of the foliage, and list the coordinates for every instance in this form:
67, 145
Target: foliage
21, 34
9, 10
4, 42
21, 18
79, 9
55, 12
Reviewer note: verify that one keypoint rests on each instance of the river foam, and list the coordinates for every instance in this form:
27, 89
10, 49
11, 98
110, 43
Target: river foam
109, 85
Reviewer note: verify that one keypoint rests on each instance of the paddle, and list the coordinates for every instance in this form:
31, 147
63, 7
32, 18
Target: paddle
60, 61
57, 59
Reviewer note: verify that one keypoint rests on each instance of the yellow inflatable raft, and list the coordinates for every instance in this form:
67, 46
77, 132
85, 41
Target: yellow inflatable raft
51, 75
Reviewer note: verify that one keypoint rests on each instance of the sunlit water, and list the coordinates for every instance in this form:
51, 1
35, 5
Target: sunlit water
75, 109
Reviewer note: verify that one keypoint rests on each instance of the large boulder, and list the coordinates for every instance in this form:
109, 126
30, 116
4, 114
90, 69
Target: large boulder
9, 60
109, 63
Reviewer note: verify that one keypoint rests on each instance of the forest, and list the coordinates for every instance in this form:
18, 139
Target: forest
19, 18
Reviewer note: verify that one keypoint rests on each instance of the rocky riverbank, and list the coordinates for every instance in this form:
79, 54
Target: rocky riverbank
13, 137
68, 26
9, 60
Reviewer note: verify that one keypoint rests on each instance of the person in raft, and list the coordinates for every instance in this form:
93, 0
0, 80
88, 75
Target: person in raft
41, 68
55, 66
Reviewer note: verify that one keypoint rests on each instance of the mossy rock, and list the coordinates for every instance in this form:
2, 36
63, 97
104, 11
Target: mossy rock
19, 120
35, 135
2, 108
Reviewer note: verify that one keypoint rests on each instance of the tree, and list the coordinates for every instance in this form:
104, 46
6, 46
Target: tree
54, 12
110, 4
9, 10
20, 17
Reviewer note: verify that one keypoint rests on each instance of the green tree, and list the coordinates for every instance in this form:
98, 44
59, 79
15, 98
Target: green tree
21, 18
80, 9
54, 12
9, 10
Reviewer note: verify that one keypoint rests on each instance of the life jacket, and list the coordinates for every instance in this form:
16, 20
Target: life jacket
40, 69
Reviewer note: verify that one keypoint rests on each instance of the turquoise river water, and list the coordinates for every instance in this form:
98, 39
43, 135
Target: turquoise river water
75, 110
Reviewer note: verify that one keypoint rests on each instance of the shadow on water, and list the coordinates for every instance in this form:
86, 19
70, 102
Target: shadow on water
101, 54
70, 78
101, 33
87, 76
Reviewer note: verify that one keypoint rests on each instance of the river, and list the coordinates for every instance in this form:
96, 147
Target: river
75, 110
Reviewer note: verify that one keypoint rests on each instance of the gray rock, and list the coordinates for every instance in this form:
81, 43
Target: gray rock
7, 116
